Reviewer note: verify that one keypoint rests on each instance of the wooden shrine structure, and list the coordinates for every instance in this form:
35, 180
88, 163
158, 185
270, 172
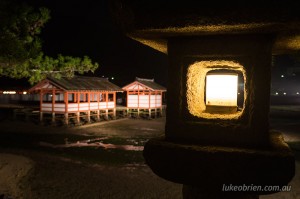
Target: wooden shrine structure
144, 96
78, 97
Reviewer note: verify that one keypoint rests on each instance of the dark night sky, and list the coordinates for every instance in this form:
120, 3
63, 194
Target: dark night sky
79, 28
86, 28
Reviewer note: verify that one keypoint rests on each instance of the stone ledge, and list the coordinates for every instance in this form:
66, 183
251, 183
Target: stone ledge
209, 167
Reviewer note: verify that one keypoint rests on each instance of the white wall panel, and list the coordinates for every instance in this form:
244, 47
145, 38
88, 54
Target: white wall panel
111, 105
72, 109
59, 109
132, 105
46, 109
84, 106
94, 106
46, 105
102, 105
73, 105
59, 105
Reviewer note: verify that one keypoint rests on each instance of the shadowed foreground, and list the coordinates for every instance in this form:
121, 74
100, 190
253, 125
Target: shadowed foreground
83, 170
81, 167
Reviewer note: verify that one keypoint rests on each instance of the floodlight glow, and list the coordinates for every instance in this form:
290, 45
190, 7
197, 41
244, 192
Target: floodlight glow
9, 92
221, 89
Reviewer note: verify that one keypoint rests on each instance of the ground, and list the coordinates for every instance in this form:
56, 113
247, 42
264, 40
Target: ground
102, 160
91, 161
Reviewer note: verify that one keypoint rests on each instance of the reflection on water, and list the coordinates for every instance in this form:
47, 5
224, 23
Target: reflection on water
96, 142
144, 129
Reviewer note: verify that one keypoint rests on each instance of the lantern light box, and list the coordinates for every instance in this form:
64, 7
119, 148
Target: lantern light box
221, 92
221, 89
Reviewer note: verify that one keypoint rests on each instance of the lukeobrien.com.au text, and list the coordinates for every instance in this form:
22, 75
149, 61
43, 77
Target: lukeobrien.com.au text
255, 188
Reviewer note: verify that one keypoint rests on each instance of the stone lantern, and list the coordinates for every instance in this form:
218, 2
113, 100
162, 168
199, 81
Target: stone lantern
211, 140
208, 147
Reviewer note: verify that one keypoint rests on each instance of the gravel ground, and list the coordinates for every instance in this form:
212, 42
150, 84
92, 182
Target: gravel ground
34, 174
64, 178
13, 168
51, 176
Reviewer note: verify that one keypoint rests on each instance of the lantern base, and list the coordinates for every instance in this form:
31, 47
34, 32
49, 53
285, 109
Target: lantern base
211, 167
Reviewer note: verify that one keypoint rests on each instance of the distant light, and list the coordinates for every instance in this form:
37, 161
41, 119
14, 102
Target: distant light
282, 75
102, 75
239, 93
24, 92
112, 78
284, 93
9, 92
297, 93
276, 93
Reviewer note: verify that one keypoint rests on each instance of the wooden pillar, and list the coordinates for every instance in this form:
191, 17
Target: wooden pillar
161, 107
41, 104
53, 105
138, 101
127, 109
53, 118
41, 116
78, 110
149, 96
106, 114
78, 117
66, 100
66, 119
115, 102
106, 99
106, 110
89, 111
155, 101
155, 104
98, 111
127, 99
89, 116
98, 115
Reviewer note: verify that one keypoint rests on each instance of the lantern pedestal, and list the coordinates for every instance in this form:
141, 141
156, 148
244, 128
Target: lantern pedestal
206, 170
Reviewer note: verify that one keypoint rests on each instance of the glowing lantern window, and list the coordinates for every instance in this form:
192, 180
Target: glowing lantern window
221, 89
